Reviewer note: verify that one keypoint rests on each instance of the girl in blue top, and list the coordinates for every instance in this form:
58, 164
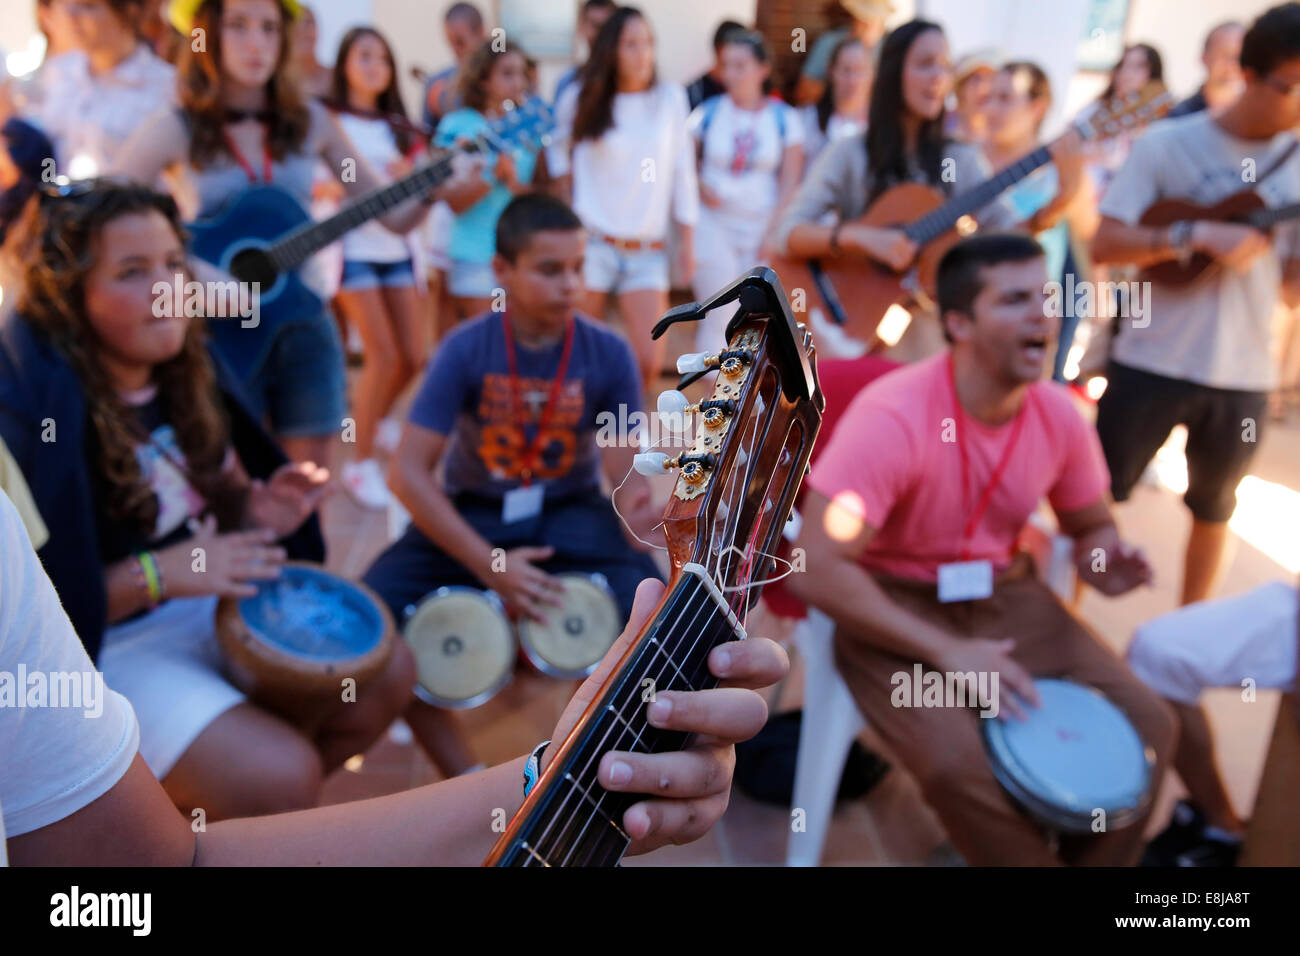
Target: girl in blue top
490, 79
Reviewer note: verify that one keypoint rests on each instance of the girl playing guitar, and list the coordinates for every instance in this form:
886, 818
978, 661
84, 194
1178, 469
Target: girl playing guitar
243, 120
904, 142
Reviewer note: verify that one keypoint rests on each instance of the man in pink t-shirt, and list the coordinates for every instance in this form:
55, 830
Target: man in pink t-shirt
909, 528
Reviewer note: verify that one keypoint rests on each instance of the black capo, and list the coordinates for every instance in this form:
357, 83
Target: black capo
761, 295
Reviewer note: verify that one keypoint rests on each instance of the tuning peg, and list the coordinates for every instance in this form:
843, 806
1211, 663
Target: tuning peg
696, 362
651, 463
672, 406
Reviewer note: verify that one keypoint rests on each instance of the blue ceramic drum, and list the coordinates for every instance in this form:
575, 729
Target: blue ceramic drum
1071, 757
291, 645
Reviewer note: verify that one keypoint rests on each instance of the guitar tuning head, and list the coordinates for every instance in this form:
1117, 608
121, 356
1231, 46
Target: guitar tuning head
696, 362
652, 463
671, 406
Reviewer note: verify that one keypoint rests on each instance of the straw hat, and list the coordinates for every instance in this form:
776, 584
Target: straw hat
180, 13
868, 9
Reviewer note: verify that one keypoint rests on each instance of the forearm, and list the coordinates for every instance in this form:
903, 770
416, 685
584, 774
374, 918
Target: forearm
126, 595
405, 217
1121, 244
808, 240
451, 823
434, 514
845, 591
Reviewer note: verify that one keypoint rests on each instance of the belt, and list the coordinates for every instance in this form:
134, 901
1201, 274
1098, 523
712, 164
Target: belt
633, 245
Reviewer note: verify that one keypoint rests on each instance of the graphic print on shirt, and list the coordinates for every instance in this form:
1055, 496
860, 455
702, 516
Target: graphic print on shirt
502, 445
177, 499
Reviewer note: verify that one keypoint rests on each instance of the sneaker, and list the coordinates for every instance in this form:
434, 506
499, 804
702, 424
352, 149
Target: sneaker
388, 434
1186, 830
364, 481
1217, 848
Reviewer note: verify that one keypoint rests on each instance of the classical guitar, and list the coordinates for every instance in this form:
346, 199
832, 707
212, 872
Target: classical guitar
728, 508
263, 234
856, 292
1245, 207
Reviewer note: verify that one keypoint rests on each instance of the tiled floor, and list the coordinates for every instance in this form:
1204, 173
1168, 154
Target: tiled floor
891, 825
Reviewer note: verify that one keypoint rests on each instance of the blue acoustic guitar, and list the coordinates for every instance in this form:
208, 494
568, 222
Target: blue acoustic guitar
263, 234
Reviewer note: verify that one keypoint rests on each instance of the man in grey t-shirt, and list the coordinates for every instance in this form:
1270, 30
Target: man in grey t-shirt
1202, 355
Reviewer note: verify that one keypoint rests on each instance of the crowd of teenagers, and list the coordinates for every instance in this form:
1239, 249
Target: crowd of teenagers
453, 355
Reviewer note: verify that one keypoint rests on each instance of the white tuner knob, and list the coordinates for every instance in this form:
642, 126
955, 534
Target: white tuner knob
692, 362
672, 406
650, 463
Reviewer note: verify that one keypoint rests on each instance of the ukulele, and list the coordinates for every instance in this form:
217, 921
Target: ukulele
262, 234
1245, 207
728, 508
935, 222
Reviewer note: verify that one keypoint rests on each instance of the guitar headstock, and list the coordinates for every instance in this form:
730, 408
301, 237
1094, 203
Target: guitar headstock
737, 482
1120, 114
527, 125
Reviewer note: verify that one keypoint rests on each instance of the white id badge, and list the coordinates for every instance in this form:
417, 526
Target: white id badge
521, 503
965, 581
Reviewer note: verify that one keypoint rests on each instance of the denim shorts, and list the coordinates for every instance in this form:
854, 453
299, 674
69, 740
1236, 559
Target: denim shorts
373, 275
299, 386
607, 269
471, 280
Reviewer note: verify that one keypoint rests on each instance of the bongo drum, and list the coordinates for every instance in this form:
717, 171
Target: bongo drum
575, 635
464, 648
1075, 754
291, 645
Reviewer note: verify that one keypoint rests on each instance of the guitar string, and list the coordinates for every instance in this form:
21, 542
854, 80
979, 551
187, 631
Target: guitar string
670, 655
556, 815
601, 747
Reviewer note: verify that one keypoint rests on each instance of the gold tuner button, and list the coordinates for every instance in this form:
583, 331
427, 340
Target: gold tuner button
714, 417
693, 472
731, 367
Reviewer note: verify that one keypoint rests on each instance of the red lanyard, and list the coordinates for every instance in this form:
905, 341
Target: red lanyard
533, 451
244, 164
996, 479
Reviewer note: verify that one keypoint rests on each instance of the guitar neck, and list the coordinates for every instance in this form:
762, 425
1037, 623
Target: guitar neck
1267, 218
294, 248
570, 819
935, 223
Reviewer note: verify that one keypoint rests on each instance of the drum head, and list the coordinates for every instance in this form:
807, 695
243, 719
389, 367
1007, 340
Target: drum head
309, 613
577, 634
463, 646
1074, 755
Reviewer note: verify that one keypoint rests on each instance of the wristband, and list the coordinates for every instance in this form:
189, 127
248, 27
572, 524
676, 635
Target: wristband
153, 582
533, 768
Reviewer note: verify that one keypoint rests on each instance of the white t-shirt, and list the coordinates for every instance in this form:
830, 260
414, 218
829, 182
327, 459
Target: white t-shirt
742, 151
90, 117
74, 739
639, 173
374, 141
1219, 331
816, 139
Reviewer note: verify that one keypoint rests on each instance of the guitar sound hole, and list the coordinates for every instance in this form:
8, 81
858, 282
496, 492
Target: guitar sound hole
253, 265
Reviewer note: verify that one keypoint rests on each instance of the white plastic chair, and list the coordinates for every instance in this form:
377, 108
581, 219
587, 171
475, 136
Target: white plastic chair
831, 719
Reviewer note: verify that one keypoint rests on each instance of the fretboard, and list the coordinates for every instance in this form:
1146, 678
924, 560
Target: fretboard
294, 248
938, 221
1266, 218
575, 821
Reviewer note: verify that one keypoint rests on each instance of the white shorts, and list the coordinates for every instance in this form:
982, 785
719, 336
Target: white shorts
607, 269
1220, 643
168, 665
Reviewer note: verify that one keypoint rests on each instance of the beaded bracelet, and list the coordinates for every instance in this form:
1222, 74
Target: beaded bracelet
532, 769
